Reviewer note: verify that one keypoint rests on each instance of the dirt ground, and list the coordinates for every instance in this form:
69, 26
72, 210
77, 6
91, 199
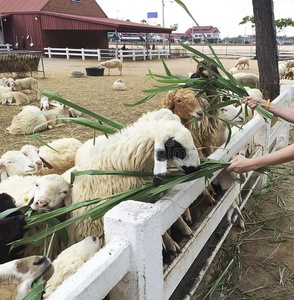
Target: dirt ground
263, 256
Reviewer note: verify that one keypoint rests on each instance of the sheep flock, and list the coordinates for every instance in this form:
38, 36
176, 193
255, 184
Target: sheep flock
38, 176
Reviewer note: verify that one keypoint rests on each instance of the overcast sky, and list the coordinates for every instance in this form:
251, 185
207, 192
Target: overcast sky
223, 14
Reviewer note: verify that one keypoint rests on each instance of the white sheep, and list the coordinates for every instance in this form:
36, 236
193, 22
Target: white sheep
290, 63
28, 83
143, 146
282, 69
18, 276
111, 64
42, 193
44, 103
253, 91
286, 82
69, 260
247, 78
14, 98
242, 62
8, 81
233, 70
15, 163
23, 123
118, 85
60, 155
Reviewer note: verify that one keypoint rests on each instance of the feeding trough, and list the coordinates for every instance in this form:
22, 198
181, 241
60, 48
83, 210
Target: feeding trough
77, 74
95, 71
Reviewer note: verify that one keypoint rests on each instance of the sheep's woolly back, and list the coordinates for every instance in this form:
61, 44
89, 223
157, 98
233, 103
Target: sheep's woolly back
23, 123
242, 62
247, 78
130, 149
118, 85
69, 260
18, 187
61, 157
111, 64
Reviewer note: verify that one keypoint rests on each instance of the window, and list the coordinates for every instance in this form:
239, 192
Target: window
76, 1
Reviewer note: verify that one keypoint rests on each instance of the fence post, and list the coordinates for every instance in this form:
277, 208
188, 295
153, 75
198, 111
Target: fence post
49, 52
98, 54
121, 55
83, 53
139, 223
67, 53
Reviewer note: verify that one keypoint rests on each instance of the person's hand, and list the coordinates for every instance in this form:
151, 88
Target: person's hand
240, 164
253, 101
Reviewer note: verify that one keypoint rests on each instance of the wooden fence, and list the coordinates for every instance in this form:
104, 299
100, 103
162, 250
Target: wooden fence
130, 265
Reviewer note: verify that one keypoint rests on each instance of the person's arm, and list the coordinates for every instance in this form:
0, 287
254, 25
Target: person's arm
241, 164
283, 112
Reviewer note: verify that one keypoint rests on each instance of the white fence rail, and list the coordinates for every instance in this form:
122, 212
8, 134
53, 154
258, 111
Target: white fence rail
134, 54
130, 265
222, 51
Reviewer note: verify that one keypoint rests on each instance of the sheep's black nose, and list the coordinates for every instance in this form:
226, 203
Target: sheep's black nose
94, 238
40, 260
191, 169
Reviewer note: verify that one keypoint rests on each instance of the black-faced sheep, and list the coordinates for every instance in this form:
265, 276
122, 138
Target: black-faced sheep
242, 62
143, 146
111, 64
208, 72
69, 260
18, 276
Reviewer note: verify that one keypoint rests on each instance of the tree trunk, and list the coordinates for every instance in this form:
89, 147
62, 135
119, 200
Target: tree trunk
266, 48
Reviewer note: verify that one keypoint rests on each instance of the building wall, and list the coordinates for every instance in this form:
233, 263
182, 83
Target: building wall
84, 8
75, 39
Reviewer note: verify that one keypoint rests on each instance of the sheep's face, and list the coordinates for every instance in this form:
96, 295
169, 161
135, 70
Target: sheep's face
178, 147
183, 103
232, 113
18, 276
16, 163
50, 192
202, 72
32, 153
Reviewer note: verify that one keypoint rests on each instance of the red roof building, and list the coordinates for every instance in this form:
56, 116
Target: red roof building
212, 33
37, 24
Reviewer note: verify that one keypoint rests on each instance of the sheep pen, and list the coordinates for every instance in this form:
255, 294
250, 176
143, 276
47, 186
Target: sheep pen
96, 94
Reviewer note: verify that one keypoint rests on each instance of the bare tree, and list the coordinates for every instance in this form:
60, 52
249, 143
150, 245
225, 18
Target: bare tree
266, 47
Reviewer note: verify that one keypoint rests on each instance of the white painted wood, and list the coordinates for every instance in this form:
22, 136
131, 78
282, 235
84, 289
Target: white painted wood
139, 223
98, 275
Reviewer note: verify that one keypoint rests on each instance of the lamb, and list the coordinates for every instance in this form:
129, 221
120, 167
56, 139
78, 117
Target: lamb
52, 115
289, 74
290, 63
44, 103
8, 81
233, 70
15, 163
242, 62
42, 193
23, 123
118, 85
11, 228
69, 260
28, 83
111, 64
18, 276
60, 155
142, 146
247, 79
73, 113
14, 98
253, 92
282, 70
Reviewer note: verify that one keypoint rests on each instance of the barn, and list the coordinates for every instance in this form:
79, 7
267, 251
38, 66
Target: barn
33, 25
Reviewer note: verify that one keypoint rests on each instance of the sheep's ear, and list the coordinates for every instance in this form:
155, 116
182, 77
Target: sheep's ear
31, 195
3, 173
46, 163
67, 199
160, 163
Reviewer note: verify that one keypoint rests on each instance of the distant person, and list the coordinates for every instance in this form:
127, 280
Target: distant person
241, 164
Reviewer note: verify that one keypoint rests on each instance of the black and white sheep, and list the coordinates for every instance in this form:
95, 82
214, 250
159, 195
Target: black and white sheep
143, 146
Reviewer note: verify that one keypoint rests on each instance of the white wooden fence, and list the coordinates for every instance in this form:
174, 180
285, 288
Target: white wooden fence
134, 54
130, 266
